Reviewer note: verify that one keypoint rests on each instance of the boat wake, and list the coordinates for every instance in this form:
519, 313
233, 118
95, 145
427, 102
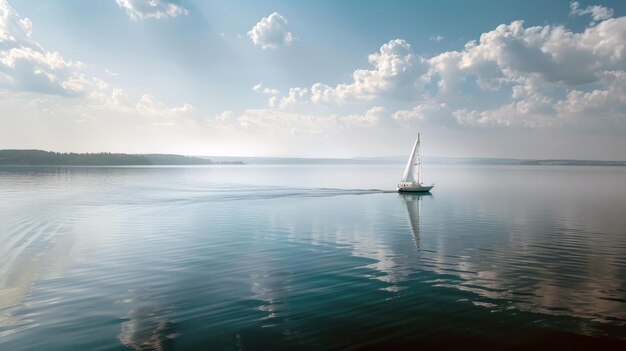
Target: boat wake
268, 193
223, 193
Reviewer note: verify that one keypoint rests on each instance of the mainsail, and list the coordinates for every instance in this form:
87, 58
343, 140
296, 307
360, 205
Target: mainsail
412, 170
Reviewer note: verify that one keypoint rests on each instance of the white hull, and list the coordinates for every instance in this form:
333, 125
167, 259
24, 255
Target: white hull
414, 187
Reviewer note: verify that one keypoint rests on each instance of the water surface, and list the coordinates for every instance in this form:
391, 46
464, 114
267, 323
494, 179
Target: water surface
311, 257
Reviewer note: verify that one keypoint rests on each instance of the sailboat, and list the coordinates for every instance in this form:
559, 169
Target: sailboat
411, 180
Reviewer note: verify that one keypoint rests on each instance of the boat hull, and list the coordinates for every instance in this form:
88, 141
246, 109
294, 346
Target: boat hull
415, 188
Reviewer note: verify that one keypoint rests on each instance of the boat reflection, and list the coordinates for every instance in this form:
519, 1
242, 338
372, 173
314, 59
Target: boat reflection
413, 206
395, 259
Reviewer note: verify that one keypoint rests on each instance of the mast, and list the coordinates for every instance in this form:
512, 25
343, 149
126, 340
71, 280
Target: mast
419, 161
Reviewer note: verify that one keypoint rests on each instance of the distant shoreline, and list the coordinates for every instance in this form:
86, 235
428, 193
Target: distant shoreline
427, 160
47, 158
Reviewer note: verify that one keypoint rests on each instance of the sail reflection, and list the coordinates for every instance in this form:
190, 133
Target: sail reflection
413, 207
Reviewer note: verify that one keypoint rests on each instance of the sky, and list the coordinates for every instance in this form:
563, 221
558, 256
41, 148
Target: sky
519, 79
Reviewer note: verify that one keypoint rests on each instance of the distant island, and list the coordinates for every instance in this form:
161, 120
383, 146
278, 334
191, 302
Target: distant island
39, 157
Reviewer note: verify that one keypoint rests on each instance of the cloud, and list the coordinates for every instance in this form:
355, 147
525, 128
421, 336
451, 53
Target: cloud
598, 13
509, 54
26, 67
596, 109
513, 53
282, 122
532, 112
271, 32
598, 106
542, 63
539, 64
109, 98
224, 116
150, 106
437, 38
273, 93
446, 67
397, 71
259, 88
268, 91
295, 96
420, 112
368, 119
111, 73
12, 27
145, 9
35, 70
276, 121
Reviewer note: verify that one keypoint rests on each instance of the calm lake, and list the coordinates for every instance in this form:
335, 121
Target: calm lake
268, 257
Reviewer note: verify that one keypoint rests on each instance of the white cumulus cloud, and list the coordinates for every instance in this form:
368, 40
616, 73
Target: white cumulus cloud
144, 9
597, 13
553, 53
607, 103
532, 112
271, 32
536, 60
420, 112
539, 64
397, 71
368, 119
295, 96
26, 66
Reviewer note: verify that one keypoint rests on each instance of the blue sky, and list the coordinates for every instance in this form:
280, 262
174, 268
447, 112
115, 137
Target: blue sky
315, 78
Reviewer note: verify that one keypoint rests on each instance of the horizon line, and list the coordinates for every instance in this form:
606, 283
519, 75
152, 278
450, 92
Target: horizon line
328, 157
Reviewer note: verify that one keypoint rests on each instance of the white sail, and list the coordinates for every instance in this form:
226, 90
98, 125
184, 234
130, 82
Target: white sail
411, 179
412, 170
